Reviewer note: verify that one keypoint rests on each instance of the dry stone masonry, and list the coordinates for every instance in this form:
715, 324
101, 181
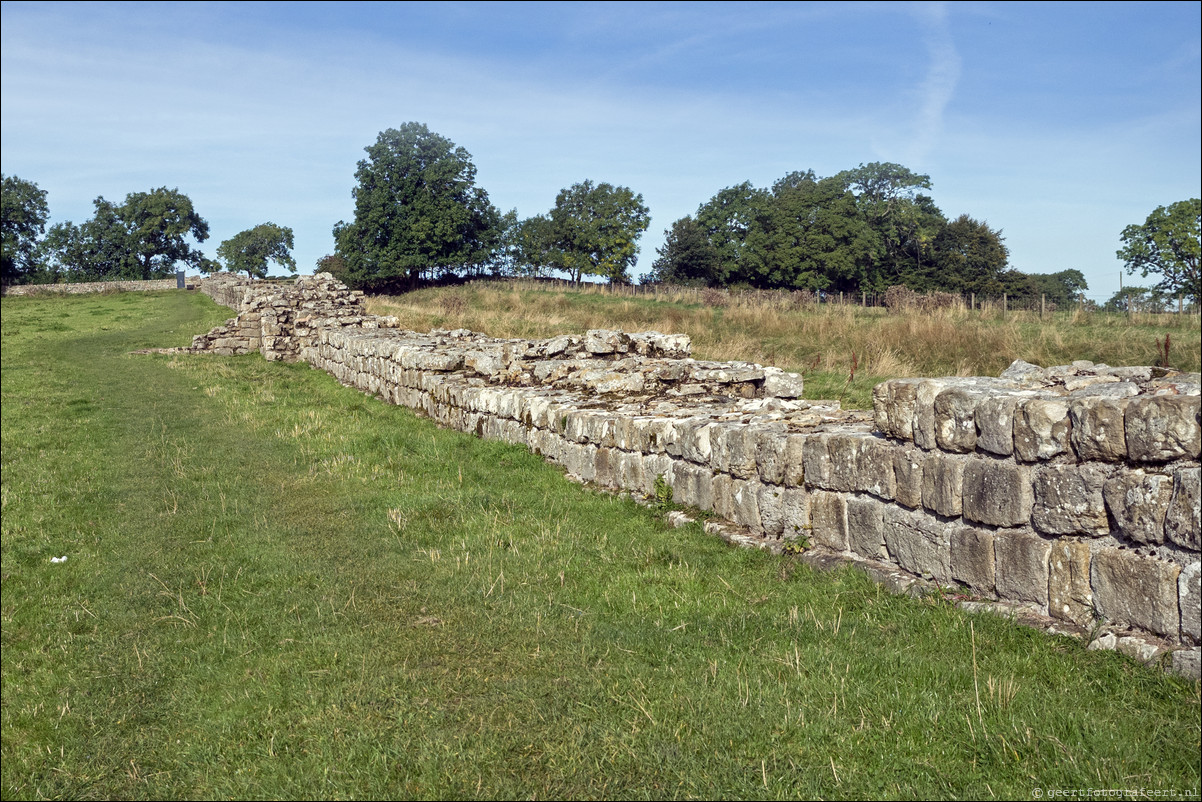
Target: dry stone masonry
1070, 492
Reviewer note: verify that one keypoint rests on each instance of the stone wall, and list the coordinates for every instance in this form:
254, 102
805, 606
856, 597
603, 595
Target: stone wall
98, 286
1070, 492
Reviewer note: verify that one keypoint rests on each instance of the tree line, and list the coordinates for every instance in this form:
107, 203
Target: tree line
148, 236
420, 216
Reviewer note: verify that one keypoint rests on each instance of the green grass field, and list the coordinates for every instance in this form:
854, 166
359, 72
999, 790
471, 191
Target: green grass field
277, 587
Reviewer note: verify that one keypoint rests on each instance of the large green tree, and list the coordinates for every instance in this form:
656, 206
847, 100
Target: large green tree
250, 251
687, 257
727, 219
594, 230
158, 223
418, 212
970, 257
811, 236
1168, 244
146, 237
24, 212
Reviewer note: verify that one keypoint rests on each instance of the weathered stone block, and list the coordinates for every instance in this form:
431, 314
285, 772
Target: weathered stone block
794, 459
866, 527
1189, 598
1139, 503
919, 543
973, 559
908, 472
995, 424
924, 412
732, 453
723, 489
693, 485
771, 506
1162, 428
955, 420
997, 493
779, 384
828, 519
1068, 501
1042, 430
1181, 522
1098, 431
1131, 590
943, 484
695, 443
1022, 566
769, 443
874, 468
816, 462
795, 507
1069, 595
893, 407
745, 508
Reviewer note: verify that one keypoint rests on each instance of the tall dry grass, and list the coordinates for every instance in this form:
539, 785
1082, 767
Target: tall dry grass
809, 338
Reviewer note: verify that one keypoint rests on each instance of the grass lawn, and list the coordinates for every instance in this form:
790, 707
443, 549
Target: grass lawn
278, 587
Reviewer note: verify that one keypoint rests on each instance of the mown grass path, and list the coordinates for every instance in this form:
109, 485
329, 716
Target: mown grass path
278, 587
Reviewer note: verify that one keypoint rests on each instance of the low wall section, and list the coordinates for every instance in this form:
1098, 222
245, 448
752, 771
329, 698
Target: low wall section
1070, 491
98, 286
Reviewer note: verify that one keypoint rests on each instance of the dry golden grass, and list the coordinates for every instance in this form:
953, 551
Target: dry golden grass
813, 339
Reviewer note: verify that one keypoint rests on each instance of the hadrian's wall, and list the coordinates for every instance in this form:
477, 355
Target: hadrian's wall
1071, 492
98, 286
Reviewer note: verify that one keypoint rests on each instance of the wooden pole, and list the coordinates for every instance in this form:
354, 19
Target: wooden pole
1043, 302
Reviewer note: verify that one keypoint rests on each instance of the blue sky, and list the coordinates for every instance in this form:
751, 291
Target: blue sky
1057, 123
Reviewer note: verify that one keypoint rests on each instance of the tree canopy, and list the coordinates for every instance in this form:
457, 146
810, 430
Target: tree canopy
24, 211
860, 230
595, 230
418, 211
143, 238
1168, 244
250, 251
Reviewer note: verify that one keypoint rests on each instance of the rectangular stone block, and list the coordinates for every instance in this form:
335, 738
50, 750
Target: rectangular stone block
695, 444
1098, 431
955, 420
924, 412
1162, 427
943, 484
723, 489
1139, 502
816, 460
828, 519
997, 493
1181, 522
1189, 595
919, 543
1068, 501
973, 559
772, 512
908, 473
745, 508
795, 513
893, 407
995, 424
770, 446
1022, 567
1130, 590
1069, 595
731, 451
794, 470
1042, 429
866, 527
